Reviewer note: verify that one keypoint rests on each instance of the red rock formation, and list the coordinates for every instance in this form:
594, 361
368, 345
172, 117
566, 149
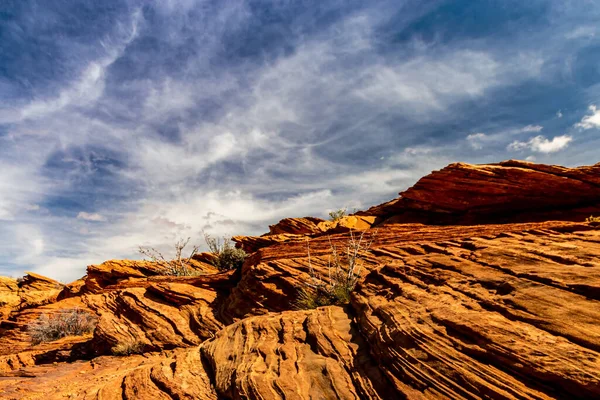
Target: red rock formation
492, 310
9, 296
511, 191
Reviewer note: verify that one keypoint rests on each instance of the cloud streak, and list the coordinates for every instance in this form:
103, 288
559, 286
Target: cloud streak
186, 116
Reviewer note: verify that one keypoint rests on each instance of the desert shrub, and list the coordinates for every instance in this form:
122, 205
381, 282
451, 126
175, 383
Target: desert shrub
594, 221
178, 266
227, 256
73, 322
128, 347
343, 273
337, 214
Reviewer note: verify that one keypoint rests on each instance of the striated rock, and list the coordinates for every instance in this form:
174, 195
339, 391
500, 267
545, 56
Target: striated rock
251, 244
488, 317
171, 375
73, 289
511, 191
503, 303
36, 290
298, 229
112, 272
9, 296
160, 312
294, 355
271, 279
16, 348
296, 226
314, 226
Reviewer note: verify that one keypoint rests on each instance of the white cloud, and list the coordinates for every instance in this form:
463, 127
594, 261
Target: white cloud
465, 73
541, 144
476, 140
532, 128
421, 150
91, 217
282, 127
559, 114
582, 31
590, 121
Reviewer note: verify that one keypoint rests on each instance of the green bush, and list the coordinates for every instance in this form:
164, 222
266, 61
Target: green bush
227, 256
337, 214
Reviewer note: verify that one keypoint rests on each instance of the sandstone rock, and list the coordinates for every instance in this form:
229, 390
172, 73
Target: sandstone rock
36, 290
271, 279
347, 223
172, 375
9, 296
159, 312
490, 310
294, 355
494, 317
511, 191
251, 244
298, 229
296, 226
110, 273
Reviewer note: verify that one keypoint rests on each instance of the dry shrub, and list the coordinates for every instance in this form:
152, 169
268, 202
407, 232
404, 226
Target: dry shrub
594, 221
178, 266
343, 273
72, 322
227, 255
127, 348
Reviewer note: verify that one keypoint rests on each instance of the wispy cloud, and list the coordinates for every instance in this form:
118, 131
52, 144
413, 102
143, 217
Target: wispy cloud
184, 116
91, 216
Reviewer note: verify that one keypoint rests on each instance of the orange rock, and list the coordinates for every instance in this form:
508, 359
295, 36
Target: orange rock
296, 226
503, 304
511, 191
9, 296
315, 354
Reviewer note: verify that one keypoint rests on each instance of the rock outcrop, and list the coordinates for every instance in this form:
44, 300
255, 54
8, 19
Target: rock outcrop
479, 282
511, 191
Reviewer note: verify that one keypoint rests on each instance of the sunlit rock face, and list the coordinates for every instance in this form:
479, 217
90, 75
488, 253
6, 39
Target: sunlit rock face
481, 281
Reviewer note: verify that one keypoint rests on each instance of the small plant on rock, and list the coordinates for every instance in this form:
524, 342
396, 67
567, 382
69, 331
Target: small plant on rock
593, 221
227, 256
343, 270
72, 322
178, 266
337, 214
128, 347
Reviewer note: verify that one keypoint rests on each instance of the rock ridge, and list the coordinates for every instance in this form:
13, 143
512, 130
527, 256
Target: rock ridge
481, 282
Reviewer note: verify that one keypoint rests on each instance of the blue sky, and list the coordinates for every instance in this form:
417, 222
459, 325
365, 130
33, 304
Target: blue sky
127, 123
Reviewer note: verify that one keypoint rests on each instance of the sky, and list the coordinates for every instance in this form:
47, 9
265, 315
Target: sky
127, 123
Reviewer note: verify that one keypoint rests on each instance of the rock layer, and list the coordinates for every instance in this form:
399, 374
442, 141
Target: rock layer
511, 191
508, 308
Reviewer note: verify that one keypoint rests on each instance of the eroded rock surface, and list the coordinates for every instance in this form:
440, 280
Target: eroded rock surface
501, 302
511, 191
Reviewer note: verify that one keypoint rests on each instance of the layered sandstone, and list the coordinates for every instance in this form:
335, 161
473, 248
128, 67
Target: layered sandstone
511, 191
498, 299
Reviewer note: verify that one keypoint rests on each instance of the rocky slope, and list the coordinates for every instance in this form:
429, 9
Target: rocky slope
500, 299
